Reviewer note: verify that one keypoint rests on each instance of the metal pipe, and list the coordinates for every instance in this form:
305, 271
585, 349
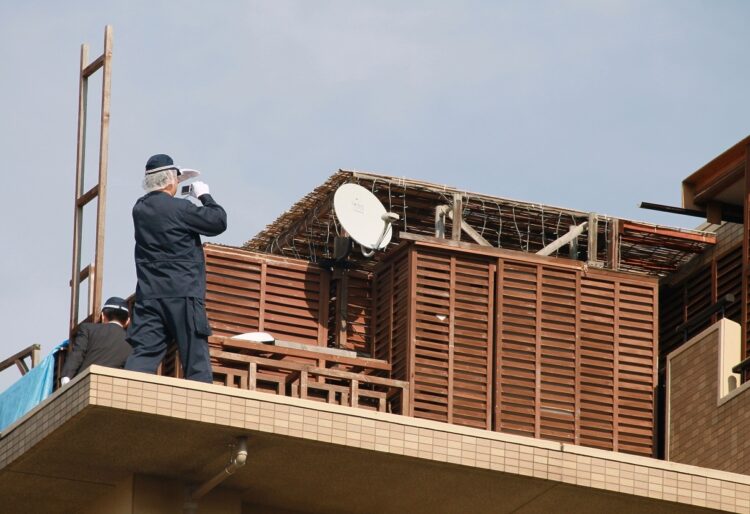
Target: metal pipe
238, 460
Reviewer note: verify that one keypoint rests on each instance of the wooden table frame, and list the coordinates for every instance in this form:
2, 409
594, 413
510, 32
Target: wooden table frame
294, 379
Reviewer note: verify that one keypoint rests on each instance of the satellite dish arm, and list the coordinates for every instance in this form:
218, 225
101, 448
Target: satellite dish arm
388, 218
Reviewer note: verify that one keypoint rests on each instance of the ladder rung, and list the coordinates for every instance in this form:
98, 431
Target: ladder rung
87, 196
83, 274
91, 68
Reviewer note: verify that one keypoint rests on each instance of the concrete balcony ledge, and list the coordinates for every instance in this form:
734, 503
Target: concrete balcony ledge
306, 456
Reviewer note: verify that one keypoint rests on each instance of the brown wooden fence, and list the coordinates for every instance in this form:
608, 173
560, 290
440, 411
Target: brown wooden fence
443, 304
249, 292
534, 346
575, 355
484, 337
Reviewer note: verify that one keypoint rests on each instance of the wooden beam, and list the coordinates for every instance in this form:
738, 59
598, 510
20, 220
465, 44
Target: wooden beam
22, 367
476, 236
83, 274
561, 241
88, 196
36, 355
457, 214
17, 358
83, 87
93, 67
699, 237
101, 207
280, 352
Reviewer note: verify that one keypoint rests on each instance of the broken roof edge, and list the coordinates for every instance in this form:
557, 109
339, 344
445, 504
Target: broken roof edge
299, 209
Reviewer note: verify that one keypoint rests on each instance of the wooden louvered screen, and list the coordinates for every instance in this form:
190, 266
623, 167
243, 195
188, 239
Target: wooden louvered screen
575, 355
572, 350
618, 363
391, 314
700, 288
452, 338
535, 350
441, 302
249, 292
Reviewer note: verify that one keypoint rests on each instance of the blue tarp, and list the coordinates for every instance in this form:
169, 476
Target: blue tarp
30, 390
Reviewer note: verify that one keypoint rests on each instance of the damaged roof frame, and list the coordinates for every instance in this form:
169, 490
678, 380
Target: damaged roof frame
308, 229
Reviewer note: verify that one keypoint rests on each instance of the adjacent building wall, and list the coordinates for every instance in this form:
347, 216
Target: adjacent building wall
707, 415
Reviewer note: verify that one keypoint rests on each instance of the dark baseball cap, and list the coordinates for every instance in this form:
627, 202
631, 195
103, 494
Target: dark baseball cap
116, 303
160, 162
163, 162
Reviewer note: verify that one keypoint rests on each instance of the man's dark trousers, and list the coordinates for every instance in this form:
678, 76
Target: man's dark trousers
158, 321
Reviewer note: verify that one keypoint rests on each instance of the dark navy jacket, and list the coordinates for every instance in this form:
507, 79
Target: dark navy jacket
97, 343
169, 258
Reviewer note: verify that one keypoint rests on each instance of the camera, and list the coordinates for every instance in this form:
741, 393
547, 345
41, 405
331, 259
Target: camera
186, 190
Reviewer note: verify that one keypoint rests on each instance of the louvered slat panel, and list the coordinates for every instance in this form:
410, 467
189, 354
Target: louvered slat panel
515, 369
473, 289
636, 357
597, 363
249, 292
391, 300
284, 284
232, 293
431, 344
558, 354
573, 351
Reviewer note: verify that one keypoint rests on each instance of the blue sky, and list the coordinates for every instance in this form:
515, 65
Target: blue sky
592, 105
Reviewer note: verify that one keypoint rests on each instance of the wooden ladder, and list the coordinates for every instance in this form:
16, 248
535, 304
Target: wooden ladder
92, 272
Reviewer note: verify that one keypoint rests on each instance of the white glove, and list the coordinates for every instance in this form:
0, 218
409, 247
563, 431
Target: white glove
199, 189
64, 380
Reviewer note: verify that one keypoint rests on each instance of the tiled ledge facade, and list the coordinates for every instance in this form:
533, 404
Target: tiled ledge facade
44, 419
380, 432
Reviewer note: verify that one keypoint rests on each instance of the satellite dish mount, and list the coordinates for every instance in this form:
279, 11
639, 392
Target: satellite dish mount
365, 221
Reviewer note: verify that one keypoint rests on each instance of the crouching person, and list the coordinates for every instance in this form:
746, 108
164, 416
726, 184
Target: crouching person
100, 343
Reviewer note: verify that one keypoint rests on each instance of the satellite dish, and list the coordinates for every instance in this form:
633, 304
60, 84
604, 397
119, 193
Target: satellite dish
363, 217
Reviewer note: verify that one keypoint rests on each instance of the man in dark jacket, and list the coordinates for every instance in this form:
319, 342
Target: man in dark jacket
100, 343
171, 270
